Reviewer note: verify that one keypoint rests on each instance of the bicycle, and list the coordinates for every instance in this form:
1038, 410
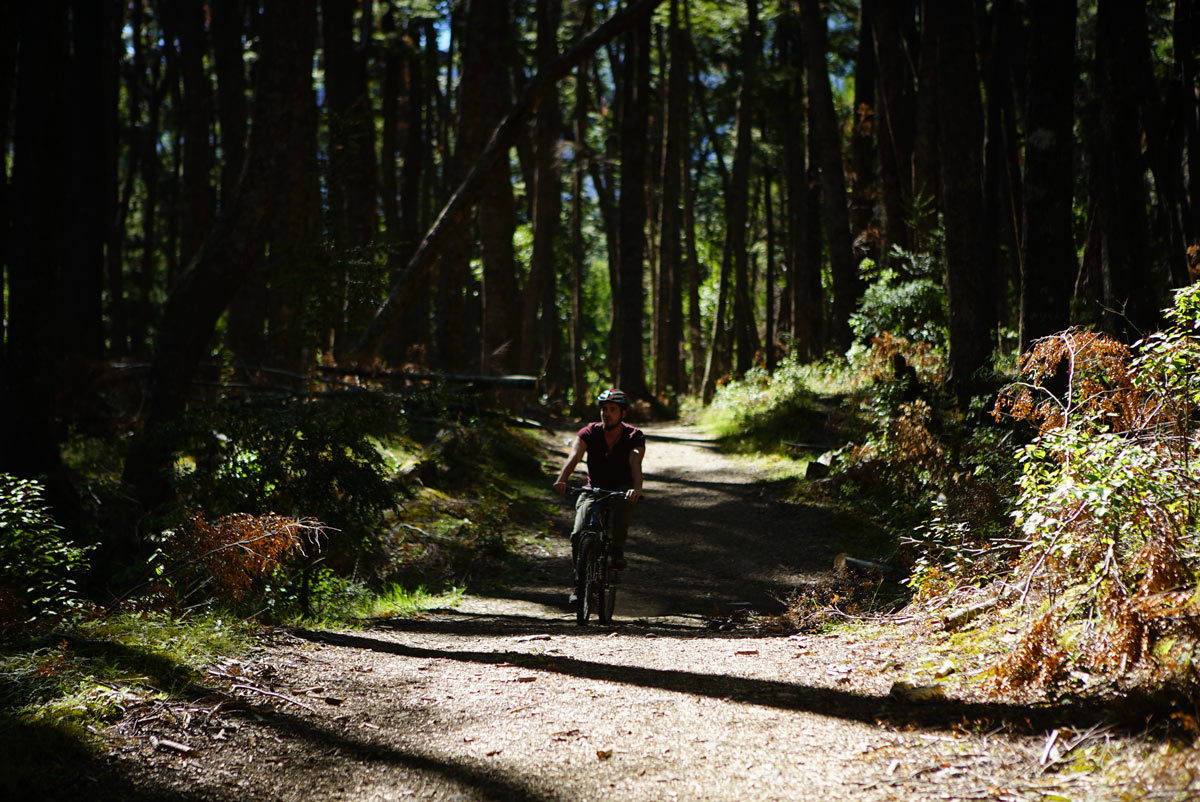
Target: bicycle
595, 579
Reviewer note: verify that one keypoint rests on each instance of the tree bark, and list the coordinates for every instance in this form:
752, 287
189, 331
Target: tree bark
351, 176
737, 198
630, 295
1128, 294
667, 373
893, 38
1048, 263
970, 275
541, 346
827, 142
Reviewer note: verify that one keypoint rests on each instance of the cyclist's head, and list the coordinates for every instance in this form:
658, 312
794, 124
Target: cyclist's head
614, 396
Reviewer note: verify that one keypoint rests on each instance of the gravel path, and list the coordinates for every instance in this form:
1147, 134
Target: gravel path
506, 698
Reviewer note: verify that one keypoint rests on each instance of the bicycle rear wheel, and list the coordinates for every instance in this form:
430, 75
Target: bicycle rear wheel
608, 599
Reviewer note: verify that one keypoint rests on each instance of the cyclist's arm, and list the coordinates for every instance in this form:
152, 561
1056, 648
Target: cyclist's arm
635, 468
578, 449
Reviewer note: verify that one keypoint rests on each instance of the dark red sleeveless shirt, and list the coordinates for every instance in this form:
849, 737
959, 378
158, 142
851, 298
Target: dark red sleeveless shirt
609, 470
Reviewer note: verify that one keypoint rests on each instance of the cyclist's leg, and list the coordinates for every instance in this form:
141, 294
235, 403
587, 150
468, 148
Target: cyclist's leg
583, 506
621, 512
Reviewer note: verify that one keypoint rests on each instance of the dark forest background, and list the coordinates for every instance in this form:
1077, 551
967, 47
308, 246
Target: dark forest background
214, 197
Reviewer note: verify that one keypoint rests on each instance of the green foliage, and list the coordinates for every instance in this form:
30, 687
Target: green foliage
911, 306
319, 458
37, 566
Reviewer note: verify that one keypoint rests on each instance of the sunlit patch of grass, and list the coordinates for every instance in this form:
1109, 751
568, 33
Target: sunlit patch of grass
400, 602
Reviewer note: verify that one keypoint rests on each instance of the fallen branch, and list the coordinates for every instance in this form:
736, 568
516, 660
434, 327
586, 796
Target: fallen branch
276, 695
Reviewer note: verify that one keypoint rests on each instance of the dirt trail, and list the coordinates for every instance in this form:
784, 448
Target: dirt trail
506, 698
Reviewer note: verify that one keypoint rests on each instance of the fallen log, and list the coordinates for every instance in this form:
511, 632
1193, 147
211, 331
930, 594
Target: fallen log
967, 614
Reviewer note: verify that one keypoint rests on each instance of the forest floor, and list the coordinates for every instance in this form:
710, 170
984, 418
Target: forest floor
505, 697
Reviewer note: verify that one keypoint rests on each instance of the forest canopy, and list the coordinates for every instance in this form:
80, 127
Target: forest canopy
208, 200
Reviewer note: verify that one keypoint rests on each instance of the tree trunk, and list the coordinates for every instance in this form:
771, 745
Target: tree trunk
737, 198
667, 372
970, 273
804, 292
198, 201
582, 154
827, 143
33, 378
864, 232
541, 348
1128, 288
351, 177
1048, 263
893, 36
630, 297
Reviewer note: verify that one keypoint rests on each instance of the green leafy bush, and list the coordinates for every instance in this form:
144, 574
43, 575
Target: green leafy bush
37, 566
911, 306
316, 459
1107, 496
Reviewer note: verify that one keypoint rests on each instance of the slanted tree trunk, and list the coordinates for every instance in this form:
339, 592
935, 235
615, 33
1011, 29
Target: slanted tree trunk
1048, 263
827, 143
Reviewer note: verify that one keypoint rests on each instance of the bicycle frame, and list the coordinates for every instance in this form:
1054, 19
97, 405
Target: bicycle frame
595, 579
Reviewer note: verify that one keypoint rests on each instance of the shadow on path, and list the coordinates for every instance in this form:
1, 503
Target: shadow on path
867, 709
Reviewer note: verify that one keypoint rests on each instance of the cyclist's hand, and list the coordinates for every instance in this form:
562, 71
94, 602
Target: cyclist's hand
560, 488
633, 495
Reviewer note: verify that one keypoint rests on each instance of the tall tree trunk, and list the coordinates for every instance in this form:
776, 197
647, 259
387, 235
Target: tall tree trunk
582, 154
770, 334
1048, 250
804, 302
30, 427
893, 33
1001, 50
970, 273
863, 229
198, 201
1128, 290
737, 198
1184, 30
631, 373
926, 187
541, 306
483, 99
827, 143
667, 372
351, 177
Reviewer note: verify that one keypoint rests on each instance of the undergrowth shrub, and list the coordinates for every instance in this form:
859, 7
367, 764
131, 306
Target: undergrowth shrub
230, 559
1107, 499
38, 566
319, 458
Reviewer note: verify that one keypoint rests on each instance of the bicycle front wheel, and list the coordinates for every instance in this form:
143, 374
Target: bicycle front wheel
588, 582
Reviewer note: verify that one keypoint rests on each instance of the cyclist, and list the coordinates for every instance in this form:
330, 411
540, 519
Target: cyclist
614, 452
